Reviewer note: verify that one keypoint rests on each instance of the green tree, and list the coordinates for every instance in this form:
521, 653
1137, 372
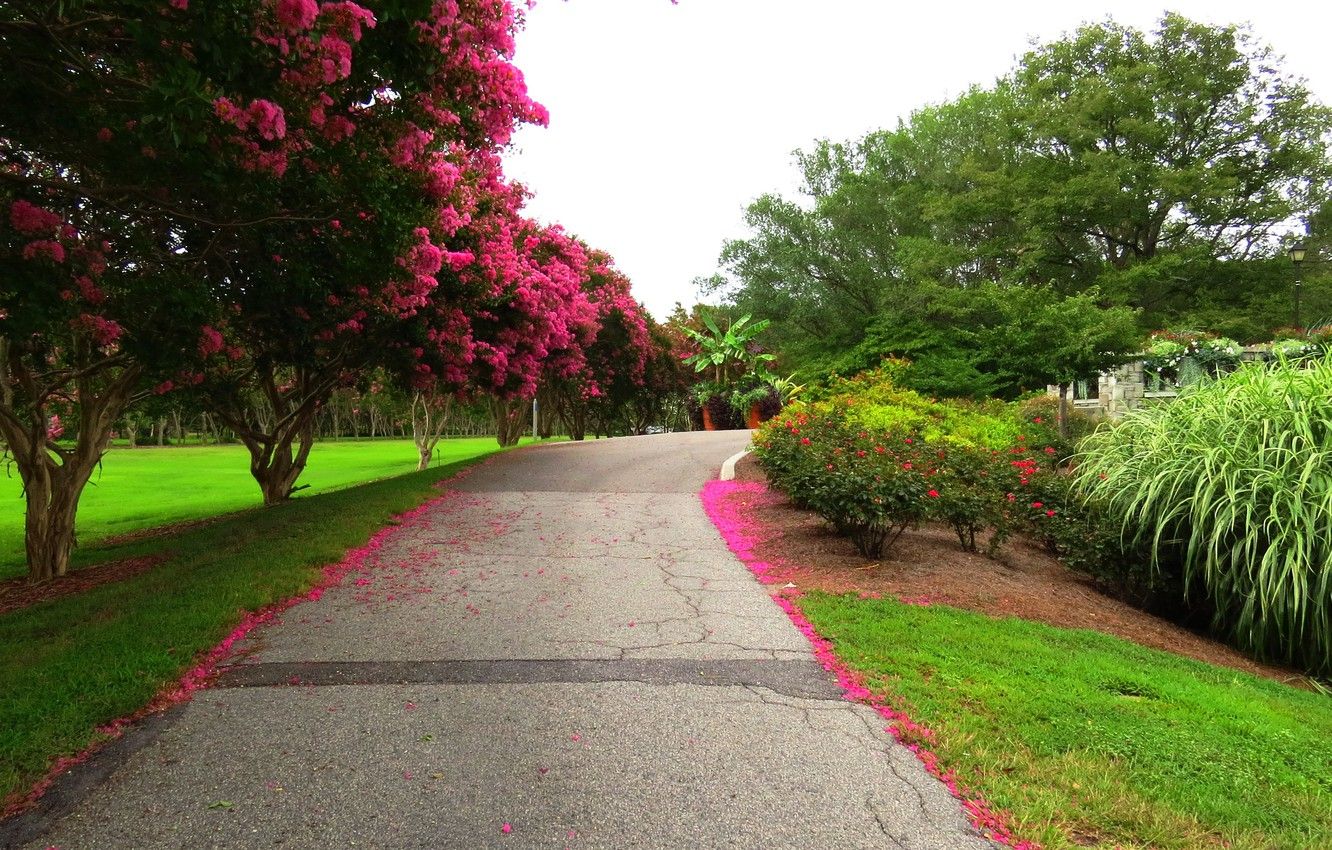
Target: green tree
1160, 168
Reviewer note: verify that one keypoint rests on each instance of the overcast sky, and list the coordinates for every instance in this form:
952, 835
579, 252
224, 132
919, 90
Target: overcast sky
666, 120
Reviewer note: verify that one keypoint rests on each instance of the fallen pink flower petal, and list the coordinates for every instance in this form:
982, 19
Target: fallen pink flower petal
506, 829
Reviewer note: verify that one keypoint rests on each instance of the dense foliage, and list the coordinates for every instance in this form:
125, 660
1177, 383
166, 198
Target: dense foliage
260, 203
1230, 487
1154, 172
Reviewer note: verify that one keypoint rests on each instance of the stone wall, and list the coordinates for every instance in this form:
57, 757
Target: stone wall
1125, 387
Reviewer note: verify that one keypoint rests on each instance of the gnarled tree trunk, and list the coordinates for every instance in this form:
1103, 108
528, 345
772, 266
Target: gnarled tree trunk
430, 416
54, 476
510, 419
278, 427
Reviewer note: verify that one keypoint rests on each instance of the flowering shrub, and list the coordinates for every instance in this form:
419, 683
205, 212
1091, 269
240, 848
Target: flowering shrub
1087, 537
975, 487
875, 460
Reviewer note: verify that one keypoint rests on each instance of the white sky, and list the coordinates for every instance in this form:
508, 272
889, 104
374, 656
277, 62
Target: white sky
667, 120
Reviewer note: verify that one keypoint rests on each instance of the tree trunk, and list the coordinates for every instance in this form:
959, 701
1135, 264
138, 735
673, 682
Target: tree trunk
430, 416
276, 466
52, 496
54, 476
509, 420
547, 414
278, 452
1063, 410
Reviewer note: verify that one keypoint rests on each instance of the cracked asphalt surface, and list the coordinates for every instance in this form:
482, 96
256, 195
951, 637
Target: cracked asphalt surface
564, 645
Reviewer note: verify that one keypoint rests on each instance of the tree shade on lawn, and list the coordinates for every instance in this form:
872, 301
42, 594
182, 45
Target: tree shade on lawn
147, 488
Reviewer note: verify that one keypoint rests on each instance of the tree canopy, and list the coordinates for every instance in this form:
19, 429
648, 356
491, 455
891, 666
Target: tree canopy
1164, 171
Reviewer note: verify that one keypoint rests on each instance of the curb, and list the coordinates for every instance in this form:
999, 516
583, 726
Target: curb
728, 467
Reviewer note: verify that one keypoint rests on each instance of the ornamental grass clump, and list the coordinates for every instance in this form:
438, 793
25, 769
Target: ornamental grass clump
1232, 484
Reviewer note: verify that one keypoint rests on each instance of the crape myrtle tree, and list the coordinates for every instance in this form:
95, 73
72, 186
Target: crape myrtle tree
380, 139
70, 360
102, 160
248, 185
610, 373
542, 321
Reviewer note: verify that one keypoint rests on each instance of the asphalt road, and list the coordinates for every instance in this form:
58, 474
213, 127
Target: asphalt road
561, 653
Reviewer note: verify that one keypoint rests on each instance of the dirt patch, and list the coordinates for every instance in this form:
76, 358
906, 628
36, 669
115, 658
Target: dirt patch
927, 565
18, 593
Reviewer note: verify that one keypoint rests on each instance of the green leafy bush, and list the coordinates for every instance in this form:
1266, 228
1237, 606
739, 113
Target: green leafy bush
874, 460
1233, 482
1087, 537
973, 485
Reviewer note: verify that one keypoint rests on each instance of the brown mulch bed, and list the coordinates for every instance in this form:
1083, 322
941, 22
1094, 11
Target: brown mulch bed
1022, 581
17, 593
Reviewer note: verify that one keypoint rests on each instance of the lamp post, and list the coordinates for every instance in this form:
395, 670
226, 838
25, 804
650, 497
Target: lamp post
1297, 257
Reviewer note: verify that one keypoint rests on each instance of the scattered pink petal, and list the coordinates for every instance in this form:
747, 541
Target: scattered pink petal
506, 829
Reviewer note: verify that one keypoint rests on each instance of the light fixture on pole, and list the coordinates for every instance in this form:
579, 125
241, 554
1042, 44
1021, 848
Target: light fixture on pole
1297, 257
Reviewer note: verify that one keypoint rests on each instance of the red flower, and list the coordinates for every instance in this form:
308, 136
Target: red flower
933, 494
804, 441
1049, 513
1037, 505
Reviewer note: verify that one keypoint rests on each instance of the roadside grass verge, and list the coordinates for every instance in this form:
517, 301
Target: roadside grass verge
148, 487
1089, 740
70, 665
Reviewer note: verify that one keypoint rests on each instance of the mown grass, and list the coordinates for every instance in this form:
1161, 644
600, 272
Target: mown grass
1090, 740
71, 664
149, 487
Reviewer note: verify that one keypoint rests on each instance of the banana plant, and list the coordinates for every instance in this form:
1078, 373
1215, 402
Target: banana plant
727, 352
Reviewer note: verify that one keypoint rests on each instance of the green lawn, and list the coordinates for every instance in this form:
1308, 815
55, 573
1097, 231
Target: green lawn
147, 487
72, 664
1082, 734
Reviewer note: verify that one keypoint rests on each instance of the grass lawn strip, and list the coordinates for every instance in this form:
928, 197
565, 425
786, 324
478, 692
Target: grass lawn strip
137, 489
1080, 738
73, 669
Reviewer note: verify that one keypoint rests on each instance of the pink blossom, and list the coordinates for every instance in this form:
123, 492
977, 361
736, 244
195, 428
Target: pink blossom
30, 219
48, 248
104, 331
268, 119
210, 341
297, 15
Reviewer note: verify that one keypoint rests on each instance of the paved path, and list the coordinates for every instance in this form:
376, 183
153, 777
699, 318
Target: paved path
564, 645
